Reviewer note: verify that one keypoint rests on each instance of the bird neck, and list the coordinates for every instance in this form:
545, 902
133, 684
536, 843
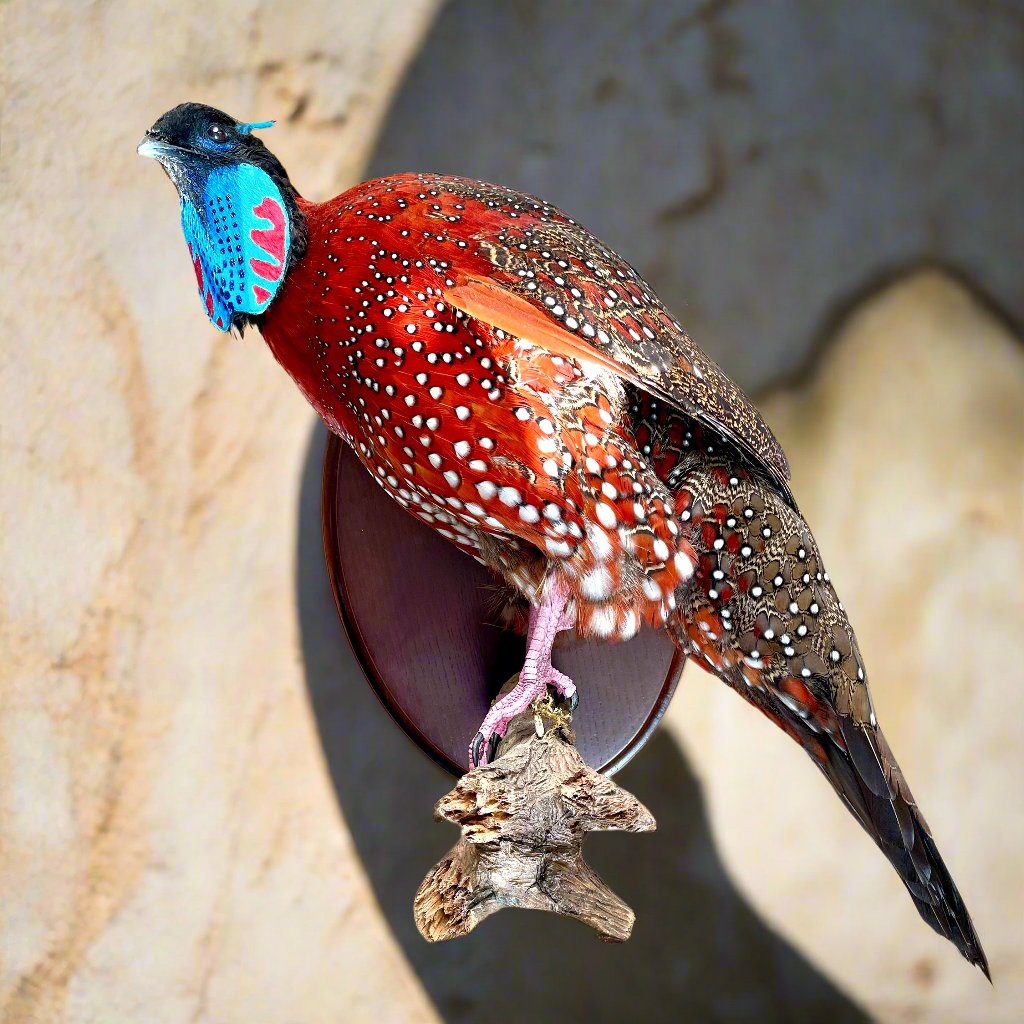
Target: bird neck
289, 327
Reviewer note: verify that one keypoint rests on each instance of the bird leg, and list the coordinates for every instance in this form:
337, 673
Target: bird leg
547, 619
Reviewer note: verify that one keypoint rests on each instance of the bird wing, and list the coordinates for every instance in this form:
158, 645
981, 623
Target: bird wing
534, 273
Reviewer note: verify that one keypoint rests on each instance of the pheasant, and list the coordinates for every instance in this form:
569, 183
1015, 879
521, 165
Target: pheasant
511, 381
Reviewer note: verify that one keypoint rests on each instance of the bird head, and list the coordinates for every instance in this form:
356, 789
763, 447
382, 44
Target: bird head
239, 213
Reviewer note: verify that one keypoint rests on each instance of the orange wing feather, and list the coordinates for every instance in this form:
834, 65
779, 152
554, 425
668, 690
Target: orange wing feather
492, 304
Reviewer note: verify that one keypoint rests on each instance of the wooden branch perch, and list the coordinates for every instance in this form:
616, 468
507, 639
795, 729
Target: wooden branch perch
523, 819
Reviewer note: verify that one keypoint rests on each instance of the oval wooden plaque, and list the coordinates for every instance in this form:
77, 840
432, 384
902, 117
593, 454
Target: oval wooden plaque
420, 617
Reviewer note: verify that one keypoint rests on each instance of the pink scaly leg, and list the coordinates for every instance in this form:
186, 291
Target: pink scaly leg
546, 620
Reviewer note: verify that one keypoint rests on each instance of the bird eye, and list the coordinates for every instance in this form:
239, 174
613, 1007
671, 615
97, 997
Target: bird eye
217, 132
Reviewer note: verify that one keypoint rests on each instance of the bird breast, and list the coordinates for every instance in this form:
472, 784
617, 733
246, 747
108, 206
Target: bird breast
489, 438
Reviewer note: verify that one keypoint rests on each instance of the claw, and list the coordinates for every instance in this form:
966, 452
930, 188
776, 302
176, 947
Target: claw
573, 700
476, 749
492, 747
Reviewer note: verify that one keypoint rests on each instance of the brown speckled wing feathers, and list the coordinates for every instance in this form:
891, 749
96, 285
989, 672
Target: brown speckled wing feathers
587, 291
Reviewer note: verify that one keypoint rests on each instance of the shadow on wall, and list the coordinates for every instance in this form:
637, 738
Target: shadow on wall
758, 163
698, 952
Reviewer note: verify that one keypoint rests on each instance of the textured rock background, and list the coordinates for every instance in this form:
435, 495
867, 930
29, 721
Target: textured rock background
171, 847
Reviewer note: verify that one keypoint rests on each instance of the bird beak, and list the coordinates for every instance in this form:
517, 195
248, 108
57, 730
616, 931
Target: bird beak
157, 149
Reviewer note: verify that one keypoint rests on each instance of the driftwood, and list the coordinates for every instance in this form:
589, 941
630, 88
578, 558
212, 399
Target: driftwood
523, 819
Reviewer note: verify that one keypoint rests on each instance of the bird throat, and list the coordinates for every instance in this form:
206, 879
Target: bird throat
237, 228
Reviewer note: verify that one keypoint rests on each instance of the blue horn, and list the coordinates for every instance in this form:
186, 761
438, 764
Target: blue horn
254, 126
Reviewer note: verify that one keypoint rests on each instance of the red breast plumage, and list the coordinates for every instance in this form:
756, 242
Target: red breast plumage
485, 393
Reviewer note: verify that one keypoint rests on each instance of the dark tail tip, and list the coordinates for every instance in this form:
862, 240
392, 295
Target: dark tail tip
939, 902
881, 800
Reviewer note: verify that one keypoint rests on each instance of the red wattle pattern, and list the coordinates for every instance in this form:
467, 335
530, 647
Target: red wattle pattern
270, 240
197, 266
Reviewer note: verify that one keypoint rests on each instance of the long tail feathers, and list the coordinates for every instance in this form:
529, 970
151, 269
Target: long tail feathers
868, 779
761, 613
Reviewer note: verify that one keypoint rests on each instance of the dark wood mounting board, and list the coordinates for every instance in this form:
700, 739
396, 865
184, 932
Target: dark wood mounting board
419, 615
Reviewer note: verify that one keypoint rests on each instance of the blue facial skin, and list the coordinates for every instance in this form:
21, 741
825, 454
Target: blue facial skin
233, 213
223, 226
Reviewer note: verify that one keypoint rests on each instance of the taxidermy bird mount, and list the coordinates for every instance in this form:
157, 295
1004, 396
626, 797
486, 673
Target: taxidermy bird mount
511, 381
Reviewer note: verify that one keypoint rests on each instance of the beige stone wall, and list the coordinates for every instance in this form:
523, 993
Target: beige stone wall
907, 446
170, 846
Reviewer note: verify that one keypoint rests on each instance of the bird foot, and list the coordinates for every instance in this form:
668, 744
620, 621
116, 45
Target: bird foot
520, 698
